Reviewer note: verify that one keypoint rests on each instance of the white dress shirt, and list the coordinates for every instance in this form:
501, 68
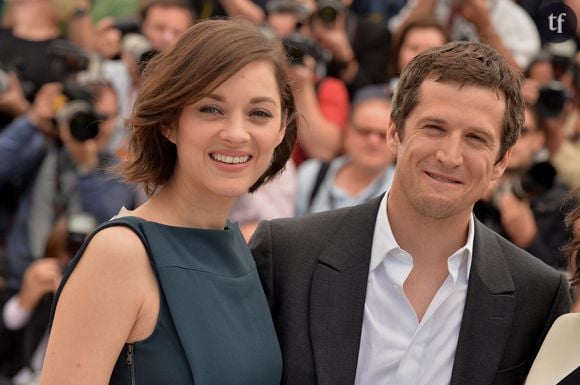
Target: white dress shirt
395, 347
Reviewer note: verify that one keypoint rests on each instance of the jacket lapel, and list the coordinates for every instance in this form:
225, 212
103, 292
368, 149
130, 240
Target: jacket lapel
338, 296
488, 313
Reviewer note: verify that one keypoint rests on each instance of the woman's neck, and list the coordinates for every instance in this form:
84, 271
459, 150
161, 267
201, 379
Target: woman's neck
173, 207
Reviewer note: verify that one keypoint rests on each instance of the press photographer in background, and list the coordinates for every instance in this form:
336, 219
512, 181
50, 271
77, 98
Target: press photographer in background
525, 205
60, 61
553, 86
360, 47
58, 150
125, 44
24, 316
25, 47
322, 101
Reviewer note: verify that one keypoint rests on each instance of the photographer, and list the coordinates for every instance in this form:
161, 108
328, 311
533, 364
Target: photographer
552, 86
502, 24
322, 101
525, 206
360, 47
160, 23
61, 167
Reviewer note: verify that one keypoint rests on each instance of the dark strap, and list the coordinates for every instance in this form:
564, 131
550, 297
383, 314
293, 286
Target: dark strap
324, 166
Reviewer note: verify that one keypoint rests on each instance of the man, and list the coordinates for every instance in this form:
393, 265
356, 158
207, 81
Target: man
409, 288
364, 172
162, 22
61, 172
502, 24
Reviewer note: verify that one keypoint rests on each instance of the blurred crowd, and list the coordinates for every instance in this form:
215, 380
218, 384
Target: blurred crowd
70, 70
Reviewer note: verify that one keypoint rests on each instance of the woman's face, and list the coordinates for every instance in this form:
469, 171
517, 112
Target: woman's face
225, 141
418, 40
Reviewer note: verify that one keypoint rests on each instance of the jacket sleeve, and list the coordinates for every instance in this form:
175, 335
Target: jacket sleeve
22, 146
261, 247
102, 195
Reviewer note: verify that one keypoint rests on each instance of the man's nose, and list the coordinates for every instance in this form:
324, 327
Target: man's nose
450, 152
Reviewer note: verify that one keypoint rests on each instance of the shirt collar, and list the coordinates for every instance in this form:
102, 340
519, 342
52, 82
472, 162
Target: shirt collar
384, 242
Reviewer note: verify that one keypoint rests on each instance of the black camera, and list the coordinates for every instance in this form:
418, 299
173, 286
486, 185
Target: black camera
66, 59
78, 113
552, 98
328, 10
298, 45
535, 181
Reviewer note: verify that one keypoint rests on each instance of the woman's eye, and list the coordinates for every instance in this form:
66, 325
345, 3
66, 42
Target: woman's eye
262, 114
210, 110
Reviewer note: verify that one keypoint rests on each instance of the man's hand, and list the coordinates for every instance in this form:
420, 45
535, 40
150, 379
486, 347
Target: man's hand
334, 37
84, 154
43, 110
42, 277
517, 219
12, 101
477, 13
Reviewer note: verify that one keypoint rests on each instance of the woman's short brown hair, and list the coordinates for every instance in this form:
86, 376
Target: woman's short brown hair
463, 63
572, 248
205, 56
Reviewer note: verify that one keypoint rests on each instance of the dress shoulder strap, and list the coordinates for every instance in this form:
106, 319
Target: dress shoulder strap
128, 221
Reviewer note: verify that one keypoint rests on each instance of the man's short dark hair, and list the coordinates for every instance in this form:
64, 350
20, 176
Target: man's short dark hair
463, 63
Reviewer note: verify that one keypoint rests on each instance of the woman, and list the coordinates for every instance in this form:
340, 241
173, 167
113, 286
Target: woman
558, 362
168, 293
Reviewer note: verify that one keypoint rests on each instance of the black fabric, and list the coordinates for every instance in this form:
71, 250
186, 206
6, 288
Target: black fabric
314, 271
572, 378
549, 215
18, 346
371, 43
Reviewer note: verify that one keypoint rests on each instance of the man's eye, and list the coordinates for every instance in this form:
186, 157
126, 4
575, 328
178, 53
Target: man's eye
476, 138
433, 128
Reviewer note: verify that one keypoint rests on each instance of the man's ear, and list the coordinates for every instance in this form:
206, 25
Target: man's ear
499, 167
168, 132
393, 139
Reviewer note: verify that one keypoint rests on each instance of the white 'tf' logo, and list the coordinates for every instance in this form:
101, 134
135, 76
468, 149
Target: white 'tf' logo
559, 19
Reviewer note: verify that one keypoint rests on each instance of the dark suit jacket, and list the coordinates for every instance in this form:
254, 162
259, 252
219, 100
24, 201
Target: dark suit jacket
315, 270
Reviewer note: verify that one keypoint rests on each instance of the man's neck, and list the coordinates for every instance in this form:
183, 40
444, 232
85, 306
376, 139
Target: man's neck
428, 240
34, 27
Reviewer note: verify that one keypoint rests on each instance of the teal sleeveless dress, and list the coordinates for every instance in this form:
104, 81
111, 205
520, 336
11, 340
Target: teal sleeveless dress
214, 325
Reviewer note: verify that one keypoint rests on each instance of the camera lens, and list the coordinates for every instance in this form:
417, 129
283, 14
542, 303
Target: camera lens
327, 14
551, 100
84, 126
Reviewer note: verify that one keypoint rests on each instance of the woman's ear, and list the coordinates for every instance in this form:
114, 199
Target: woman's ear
168, 132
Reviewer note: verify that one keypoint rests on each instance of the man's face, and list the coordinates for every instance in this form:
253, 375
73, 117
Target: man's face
164, 24
529, 143
448, 154
366, 136
106, 108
